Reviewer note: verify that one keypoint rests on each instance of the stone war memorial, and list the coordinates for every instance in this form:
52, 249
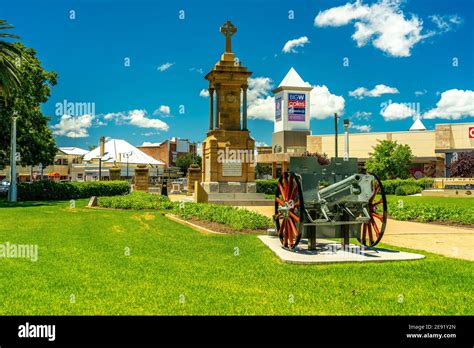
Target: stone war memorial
228, 169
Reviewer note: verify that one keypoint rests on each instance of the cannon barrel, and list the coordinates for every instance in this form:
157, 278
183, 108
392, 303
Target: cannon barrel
339, 186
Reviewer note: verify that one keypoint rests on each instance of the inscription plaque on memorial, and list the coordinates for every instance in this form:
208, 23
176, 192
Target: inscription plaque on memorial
231, 169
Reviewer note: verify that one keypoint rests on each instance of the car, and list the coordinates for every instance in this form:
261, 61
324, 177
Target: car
4, 186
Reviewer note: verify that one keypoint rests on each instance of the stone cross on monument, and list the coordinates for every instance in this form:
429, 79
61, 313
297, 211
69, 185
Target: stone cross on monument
228, 29
228, 169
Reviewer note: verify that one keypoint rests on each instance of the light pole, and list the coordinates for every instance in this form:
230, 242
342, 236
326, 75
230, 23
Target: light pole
102, 158
346, 138
12, 193
335, 134
127, 155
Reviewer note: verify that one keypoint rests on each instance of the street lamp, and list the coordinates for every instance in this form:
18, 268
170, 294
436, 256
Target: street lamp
12, 193
127, 155
346, 138
102, 158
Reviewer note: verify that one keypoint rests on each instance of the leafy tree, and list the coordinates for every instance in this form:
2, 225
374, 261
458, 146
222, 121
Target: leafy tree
10, 60
263, 169
185, 160
463, 167
35, 142
390, 160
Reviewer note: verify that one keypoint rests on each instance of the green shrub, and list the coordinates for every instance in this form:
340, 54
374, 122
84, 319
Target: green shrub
267, 186
390, 186
407, 190
136, 200
233, 217
49, 190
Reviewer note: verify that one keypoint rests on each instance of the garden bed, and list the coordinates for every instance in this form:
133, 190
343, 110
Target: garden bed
228, 218
213, 227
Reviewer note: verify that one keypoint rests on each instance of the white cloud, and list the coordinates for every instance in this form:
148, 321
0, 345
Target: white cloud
420, 93
163, 110
73, 127
290, 46
341, 15
149, 134
454, 104
137, 118
165, 66
260, 104
362, 127
324, 104
383, 24
204, 93
377, 91
362, 115
260, 144
262, 109
397, 111
148, 143
198, 70
446, 23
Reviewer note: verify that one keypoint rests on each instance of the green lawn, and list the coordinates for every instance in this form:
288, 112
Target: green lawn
174, 270
451, 210
465, 202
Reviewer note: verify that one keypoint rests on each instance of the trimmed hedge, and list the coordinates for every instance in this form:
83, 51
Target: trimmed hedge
390, 186
269, 186
407, 190
238, 219
49, 190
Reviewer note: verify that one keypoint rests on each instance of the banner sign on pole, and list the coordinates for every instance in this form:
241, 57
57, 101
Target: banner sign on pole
278, 109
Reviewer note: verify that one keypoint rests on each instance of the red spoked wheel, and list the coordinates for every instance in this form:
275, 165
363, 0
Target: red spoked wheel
372, 231
289, 210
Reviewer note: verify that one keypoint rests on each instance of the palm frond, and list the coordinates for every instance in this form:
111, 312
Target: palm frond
10, 60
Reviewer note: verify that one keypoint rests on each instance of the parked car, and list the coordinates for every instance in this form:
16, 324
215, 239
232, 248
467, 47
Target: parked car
4, 186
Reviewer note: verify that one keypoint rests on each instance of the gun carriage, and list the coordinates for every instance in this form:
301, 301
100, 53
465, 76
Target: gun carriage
351, 205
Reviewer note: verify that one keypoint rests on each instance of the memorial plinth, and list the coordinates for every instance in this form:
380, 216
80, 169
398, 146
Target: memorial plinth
140, 179
228, 168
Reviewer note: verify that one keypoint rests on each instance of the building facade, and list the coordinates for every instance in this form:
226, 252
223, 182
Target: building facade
433, 150
59, 171
169, 150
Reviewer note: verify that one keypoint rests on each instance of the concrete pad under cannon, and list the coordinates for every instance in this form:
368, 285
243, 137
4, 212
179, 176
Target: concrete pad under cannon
331, 251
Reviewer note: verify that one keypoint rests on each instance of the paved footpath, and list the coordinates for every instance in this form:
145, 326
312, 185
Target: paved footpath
449, 241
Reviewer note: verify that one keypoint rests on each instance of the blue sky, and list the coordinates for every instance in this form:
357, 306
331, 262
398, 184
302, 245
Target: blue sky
420, 53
